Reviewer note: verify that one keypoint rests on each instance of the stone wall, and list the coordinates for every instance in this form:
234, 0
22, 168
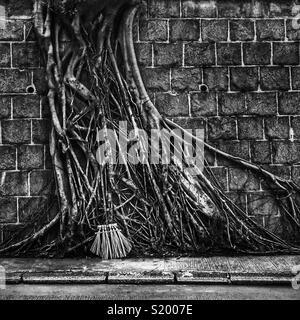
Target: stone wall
230, 67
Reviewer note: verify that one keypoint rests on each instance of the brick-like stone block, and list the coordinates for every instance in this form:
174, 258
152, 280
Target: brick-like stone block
186, 79
199, 54
261, 103
40, 82
241, 30
5, 107
286, 152
255, 9
40, 131
204, 104
153, 30
274, 78
232, 103
296, 78
26, 106
216, 78
261, 152
8, 210
222, 128
200, 9
286, 53
156, 78
7, 158
277, 128
214, 30
40, 182
289, 102
220, 174
25, 55
270, 29
167, 54
261, 203
15, 184
229, 54
292, 33
171, 104
244, 79
18, 8
30, 157
296, 127
250, 128
164, 8
30, 206
242, 180
229, 9
235, 148
13, 31
5, 55
16, 131
257, 53
184, 30
14, 81
144, 54
281, 8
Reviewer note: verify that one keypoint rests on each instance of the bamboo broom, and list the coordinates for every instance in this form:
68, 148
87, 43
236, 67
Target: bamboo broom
110, 243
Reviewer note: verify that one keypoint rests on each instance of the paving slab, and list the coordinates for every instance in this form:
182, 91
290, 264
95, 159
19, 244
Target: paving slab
219, 269
159, 292
64, 278
141, 277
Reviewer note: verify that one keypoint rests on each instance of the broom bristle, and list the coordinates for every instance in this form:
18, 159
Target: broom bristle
110, 243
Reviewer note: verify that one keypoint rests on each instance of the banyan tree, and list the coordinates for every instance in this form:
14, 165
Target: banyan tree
106, 203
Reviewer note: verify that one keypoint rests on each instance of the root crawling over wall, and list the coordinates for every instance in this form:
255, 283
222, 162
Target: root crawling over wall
94, 84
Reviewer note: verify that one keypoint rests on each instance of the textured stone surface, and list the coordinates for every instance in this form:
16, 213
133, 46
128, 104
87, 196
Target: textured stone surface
232, 103
16, 131
244, 79
204, 104
172, 104
199, 54
26, 106
250, 128
167, 54
274, 78
261, 103
286, 53
214, 30
257, 53
186, 79
222, 128
229, 53
30, 157
154, 30
241, 30
216, 78
7, 158
270, 29
184, 30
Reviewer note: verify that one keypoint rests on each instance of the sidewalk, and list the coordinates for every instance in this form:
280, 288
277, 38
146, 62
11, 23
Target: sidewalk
247, 270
